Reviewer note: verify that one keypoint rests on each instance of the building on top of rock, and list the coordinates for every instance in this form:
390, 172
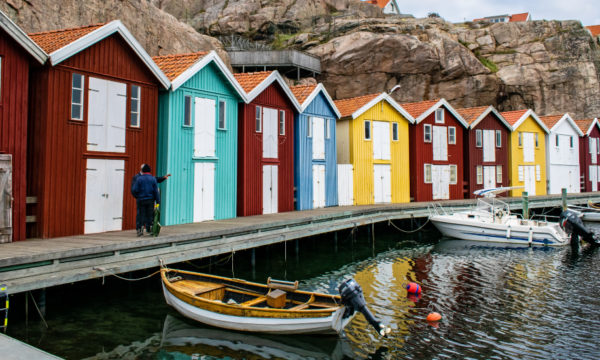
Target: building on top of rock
594, 30
387, 6
506, 18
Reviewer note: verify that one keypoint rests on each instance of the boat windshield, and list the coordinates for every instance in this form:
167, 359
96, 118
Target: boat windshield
492, 205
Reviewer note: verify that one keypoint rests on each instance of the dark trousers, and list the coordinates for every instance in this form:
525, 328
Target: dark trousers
145, 214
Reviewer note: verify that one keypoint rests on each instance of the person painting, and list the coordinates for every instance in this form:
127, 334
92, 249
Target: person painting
145, 190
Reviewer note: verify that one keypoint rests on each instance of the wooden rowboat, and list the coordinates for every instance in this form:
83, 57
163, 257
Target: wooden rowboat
276, 308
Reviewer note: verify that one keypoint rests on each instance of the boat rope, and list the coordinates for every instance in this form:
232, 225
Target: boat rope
130, 279
232, 269
408, 231
38, 310
221, 261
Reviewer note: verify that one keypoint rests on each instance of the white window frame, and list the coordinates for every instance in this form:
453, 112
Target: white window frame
426, 132
451, 135
499, 174
395, 129
367, 130
498, 138
427, 174
281, 122
478, 138
453, 172
187, 111
222, 120
439, 116
538, 173
479, 174
309, 130
135, 111
73, 88
327, 128
258, 118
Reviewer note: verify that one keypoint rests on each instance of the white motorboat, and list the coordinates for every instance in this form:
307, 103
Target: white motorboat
492, 221
588, 213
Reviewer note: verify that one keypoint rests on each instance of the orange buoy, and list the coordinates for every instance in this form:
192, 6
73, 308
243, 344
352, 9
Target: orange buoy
413, 288
434, 316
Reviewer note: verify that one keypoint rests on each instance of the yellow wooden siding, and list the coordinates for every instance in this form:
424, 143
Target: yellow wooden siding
516, 157
361, 155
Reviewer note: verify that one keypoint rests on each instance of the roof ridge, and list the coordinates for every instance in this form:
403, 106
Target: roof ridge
66, 29
181, 55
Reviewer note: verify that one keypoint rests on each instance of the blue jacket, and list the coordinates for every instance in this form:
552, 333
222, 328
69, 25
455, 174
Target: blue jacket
145, 187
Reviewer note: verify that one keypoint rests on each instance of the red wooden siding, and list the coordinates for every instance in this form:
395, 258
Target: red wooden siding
58, 146
585, 158
250, 160
422, 153
473, 155
13, 122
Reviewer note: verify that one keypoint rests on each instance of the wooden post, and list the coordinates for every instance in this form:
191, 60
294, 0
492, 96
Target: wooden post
525, 205
335, 241
564, 198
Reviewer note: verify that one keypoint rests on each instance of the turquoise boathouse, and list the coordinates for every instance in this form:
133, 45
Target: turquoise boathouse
315, 160
197, 138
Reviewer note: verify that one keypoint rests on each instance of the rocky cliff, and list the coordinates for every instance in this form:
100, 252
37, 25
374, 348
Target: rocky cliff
550, 66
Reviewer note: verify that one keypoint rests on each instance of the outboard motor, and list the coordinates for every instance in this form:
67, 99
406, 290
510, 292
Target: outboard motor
353, 300
571, 222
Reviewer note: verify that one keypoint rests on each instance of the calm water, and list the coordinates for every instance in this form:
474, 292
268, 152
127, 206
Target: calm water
497, 302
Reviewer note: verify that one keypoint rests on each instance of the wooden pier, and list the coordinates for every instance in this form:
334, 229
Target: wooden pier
41, 263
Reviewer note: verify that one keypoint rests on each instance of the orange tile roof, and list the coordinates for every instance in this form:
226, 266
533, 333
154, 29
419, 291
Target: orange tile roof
471, 114
551, 120
513, 116
347, 107
584, 124
175, 65
301, 92
415, 109
51, 41
594, 29
249, 81
519, 17
380, 3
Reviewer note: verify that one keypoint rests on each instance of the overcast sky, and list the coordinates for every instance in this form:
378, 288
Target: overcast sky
587, 11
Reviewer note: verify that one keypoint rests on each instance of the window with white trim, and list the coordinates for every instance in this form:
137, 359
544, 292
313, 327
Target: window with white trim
498, 138
439, 116
499, 174
478, 138
222, 115
427, 170
367, 130
77, 96
427, 133
479, 174
394, 131
453, 174
187, 110
281, 122
135, 106
451, 135
258, 117
328, 129
309, 127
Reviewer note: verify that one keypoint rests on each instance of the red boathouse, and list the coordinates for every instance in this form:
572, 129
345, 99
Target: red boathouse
265, 146
589, 153
17, 53
436, 156
93, 122
486, 149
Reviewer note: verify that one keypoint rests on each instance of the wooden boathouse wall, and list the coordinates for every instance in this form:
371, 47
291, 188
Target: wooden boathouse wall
585, 158
251, 161
57, 146
13, 123
473, 155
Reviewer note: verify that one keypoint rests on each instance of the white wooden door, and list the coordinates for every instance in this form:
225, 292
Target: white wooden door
107, 110
594, 150
529, 178
97, 105
440, 143
270, 133
204, 191
440, 182
318, 186
117, 114
489, 146
318, 139
382, 183
381, 140
345, 185
6, 198
269, 189
204, 127
594, 177
104, 195
528, 147
489, 177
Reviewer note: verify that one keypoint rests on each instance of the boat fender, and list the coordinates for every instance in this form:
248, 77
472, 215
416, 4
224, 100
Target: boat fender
413, 288
499, 214
434, 317
353, 299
